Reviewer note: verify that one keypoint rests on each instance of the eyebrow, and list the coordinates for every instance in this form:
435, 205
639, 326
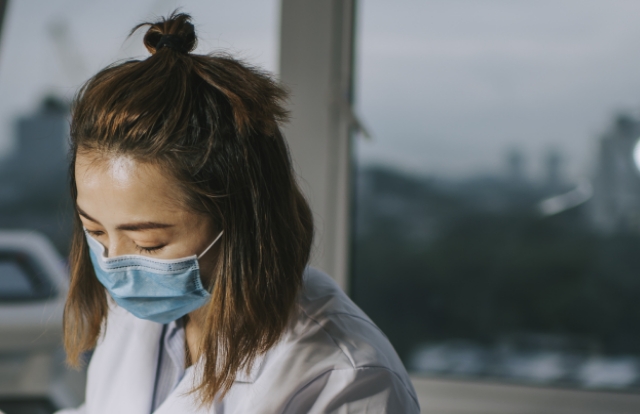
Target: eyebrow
141, 226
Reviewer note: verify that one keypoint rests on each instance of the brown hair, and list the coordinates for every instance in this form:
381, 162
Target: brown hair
213, 122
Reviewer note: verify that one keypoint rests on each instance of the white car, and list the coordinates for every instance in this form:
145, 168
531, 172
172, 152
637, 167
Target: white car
33, 288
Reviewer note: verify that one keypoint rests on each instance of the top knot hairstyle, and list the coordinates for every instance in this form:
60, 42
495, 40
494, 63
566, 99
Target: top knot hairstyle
176, 33
213, 123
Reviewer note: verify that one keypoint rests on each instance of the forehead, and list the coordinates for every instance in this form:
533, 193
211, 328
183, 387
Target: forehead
120, 188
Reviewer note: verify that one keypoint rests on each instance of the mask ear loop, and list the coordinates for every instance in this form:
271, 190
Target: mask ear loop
211, 245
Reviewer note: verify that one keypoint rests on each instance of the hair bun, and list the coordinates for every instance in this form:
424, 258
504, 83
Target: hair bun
172, 42
175, 32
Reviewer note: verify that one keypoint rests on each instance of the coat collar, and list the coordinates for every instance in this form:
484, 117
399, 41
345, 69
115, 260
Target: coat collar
241, 376
180, 400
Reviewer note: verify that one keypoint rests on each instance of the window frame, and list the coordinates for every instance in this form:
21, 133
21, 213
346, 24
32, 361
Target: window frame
316, 63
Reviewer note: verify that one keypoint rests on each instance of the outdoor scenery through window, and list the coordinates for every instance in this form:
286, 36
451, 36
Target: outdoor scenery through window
497, 208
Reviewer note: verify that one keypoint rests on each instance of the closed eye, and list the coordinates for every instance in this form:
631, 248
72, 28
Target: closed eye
150, 250
95, 232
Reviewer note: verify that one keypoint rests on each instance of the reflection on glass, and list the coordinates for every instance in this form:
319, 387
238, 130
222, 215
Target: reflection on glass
493, 239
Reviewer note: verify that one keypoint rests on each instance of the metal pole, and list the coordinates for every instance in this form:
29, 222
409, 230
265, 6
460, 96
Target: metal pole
3, 8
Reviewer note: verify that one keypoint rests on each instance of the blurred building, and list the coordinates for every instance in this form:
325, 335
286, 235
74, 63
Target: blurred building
616, 202
36, 170
553, 165
33, 178
516, 166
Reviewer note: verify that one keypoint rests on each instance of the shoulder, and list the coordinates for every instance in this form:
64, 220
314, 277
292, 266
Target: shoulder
327, 314
337, 355
357, 390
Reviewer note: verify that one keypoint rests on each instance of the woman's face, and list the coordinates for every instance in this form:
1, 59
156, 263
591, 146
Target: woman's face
135, 208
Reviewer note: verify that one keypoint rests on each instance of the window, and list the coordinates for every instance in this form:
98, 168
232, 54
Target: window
497, 208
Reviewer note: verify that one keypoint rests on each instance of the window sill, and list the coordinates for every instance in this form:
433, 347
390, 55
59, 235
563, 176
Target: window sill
448, 396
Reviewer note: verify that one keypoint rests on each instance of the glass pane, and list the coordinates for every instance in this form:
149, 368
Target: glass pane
50, 47
497, 207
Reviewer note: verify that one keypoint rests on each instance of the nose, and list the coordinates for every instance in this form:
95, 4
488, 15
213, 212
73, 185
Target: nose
112, 249
118, 245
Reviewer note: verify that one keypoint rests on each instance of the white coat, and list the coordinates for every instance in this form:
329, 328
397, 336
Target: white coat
332, 359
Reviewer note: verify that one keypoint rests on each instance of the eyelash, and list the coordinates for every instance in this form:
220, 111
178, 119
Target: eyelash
148, 250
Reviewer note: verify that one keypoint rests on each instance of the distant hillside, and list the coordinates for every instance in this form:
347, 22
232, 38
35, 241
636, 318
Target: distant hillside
436, 260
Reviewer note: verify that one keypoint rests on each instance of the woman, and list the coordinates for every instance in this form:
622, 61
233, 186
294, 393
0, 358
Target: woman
189, 275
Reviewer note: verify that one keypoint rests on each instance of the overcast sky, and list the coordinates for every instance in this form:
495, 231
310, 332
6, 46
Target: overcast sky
447, 87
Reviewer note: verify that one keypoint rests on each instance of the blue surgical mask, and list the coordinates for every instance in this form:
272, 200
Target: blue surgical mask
158, 290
